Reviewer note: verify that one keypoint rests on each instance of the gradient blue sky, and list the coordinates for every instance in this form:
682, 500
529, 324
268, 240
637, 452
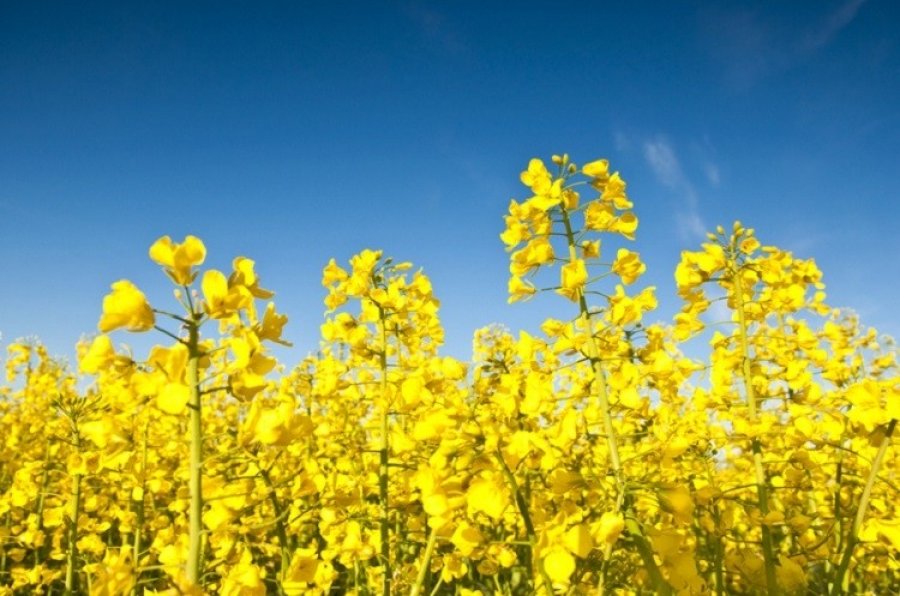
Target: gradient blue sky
294, 132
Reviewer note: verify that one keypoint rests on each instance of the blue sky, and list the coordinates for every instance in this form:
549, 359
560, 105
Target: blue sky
296, 132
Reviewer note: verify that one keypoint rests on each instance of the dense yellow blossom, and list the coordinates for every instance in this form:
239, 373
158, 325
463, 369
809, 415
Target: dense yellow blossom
746, 447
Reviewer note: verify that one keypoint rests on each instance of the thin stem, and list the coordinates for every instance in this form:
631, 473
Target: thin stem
841, 583
140, 515
74, 513
194, 563
425, 565
168, 333
72, 551
45, 480
522, 505
437, 586
3, 549
756, 447
602, 393
384, 468
280, 530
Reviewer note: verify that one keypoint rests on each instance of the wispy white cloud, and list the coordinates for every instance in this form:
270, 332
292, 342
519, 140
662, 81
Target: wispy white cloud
711, 171
691, 225
752, 47
622, 141
662, 159
659, 154
825, 32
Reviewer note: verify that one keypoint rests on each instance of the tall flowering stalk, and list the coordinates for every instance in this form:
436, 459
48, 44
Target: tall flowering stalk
396, 328
75, 409
550, 213
177, 381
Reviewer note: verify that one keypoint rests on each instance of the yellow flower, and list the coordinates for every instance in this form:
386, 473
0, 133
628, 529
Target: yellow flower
549, 197
628, 266
614, 192
112, 576
272, 326
679, 503
302, 571
590, 249
100, 355
278, 425
466, 538
610, 527
244, 579
574, 276
179, 259
126, 307
537, 252
519, 289
626, 225
333, 274
625, 310
488, 496
596, 169
244, 275
578, 540
173, 398
536, 177
559, 565
221, 301
790, 575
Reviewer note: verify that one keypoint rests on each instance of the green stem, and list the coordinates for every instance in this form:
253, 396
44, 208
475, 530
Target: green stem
646, 553
384, 460
425, 565
72, 551
719, 553
762, 490
193, 570
280, 529
839, 524
529, 525
40, 554
601, 392
140, 517
841, 583
3, 547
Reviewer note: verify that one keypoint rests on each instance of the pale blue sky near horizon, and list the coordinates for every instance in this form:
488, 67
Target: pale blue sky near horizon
296, 132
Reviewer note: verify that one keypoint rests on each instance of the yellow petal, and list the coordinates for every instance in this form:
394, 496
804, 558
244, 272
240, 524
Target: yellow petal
578, 540
610, 527
162, 252
559, 565
98, 356
173, 398
215, 293
126, 307
487, 496
596, 169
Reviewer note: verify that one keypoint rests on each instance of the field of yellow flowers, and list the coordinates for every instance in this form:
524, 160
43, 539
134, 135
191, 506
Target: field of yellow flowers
592, 458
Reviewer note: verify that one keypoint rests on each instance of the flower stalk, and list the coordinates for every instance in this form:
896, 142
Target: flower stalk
762, 484
194, 568
841, 581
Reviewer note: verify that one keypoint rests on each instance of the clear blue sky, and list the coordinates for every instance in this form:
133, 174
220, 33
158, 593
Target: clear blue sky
294, 132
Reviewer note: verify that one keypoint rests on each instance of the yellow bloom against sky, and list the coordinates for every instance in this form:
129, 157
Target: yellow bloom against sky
595, 453
491, 366
320, 135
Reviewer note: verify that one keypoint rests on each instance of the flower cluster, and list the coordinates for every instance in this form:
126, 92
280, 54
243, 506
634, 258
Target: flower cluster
604, 452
